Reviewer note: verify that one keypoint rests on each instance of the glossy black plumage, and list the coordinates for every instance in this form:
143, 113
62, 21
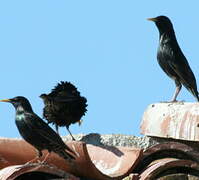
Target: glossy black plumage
64, 105
172, 60
36, 132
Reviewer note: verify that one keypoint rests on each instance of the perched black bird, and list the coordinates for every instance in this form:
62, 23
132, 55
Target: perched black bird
36, 132
172, 60
64, 105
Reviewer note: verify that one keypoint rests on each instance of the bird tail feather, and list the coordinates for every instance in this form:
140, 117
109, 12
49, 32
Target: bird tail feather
66, 155
65, 152
197, 96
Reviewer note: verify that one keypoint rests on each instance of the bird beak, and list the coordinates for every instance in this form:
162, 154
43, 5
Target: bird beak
5, 100
152, 19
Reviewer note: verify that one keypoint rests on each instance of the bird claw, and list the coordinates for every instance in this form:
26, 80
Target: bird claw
165, 101
173, 101
42, 163
28, 164
37, 162
73, 139
178, 102
32, 162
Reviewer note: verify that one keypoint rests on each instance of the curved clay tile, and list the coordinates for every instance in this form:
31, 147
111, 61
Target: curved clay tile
97, 162
36, 171
167, 150
170, 167
172, 120
114, 162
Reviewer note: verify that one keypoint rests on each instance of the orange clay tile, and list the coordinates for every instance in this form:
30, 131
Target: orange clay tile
13, 172
167, 150
157, 169
95, 162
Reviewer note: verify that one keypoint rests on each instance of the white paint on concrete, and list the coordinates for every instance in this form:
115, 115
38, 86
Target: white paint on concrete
181, 120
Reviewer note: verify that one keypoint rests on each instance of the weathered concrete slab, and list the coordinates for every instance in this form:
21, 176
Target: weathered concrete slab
172, 120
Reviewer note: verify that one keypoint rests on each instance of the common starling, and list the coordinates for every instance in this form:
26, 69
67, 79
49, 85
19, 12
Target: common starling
36, 132
172, 60
64, 106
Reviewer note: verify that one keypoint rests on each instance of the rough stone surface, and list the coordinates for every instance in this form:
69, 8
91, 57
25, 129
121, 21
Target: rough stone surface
115, 140
127, 140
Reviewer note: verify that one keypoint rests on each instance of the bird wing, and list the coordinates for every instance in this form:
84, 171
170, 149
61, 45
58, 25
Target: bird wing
46, 132
174, 64
181, 67
165, 57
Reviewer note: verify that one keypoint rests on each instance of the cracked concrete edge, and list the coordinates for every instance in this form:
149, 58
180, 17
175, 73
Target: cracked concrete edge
115, 140
142, 142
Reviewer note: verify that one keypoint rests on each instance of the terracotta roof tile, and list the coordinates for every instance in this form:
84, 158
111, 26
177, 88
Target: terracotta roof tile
12, 172
103, 162
170, 166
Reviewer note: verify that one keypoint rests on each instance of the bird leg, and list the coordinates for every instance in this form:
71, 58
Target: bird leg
70, 133
33, 160
36, 159
57, 128
45, 158
177, 90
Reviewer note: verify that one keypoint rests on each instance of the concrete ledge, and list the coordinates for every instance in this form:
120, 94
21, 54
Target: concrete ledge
112, 140
172, 120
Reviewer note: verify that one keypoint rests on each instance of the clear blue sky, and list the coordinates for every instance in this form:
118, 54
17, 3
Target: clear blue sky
106, 48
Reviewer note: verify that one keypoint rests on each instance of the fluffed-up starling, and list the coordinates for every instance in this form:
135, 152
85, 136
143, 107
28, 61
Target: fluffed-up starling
172, 60
64, 105
37, 132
